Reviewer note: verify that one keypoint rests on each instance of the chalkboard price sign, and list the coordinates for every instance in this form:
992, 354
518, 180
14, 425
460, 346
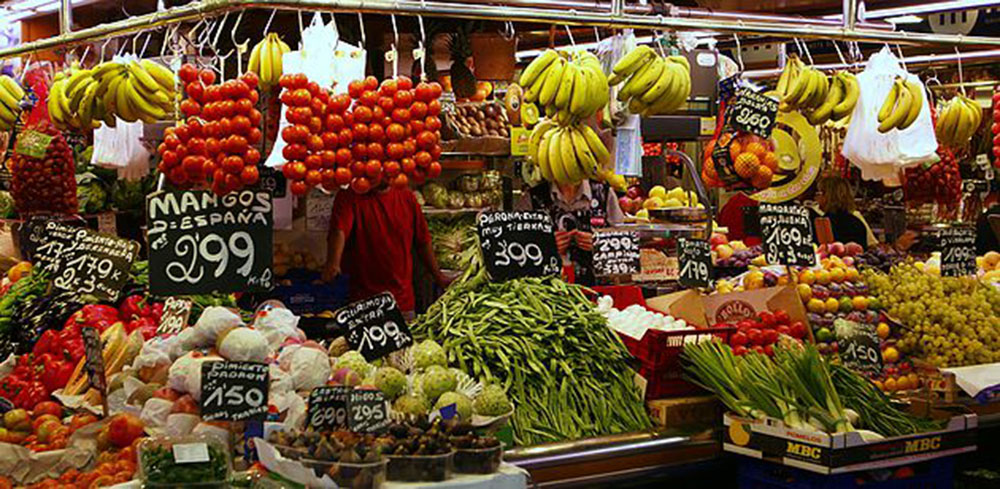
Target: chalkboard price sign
695, 259
234, 391
200, 242
375, 326
86, 261
94, 362
616, 253
367, 411
753, 112
859, 346
176, 312
958, 251
787, 234
328, 407
518, 244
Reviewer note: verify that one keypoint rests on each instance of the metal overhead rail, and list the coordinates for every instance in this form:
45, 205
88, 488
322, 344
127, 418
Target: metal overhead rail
512, 12
924, 59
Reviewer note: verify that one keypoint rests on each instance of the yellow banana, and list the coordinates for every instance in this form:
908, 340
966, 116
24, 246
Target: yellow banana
947, 120
584, 157
677, 95
142, 106
543, 154
266, 77
110, 98
536, 67
163, 76
891, 100
559, 173
900, 111
105, 68
278, 48
799, 86
9, 99
599, 91
821, 90
850, 97
87, 106
531, 93
663, 84
55, 112
596, 145
578, 102
123, 107
643, 81
12, 87
566, 86
916, 103
681, 60
633, 61
574, 170
552, 82
822, 113
79, 93
140, 77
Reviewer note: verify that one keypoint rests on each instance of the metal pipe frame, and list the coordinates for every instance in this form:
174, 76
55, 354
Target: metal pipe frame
925, 59
203, 8
65, 17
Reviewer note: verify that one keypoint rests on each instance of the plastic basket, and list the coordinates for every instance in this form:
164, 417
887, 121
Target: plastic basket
934, 474
659, 351
307, 295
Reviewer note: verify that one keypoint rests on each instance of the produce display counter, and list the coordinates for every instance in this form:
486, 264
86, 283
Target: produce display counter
622, 458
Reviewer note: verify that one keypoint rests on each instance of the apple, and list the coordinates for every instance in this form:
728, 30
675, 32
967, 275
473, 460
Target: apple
837, 249
17, 420
123, 429
853, 249
39, 421
723, 251
633, 193
46, 429
185, 404
626, 204
717, 239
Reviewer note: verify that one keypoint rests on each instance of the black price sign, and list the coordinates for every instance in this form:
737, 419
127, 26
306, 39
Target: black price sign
94, 362
695, 259
367, 411
175, 316
616, 253
787, 234
375, 326
328, 407
958, 251
273, 181
200, 242
859, 346
234, 391
518, 244
753, 112
86, 261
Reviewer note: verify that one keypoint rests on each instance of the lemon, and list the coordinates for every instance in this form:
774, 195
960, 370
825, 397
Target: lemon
882, 330
642, 214
658, 192
672, 204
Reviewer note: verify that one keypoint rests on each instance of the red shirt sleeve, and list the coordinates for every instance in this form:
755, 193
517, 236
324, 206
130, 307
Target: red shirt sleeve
342, 215
421, 234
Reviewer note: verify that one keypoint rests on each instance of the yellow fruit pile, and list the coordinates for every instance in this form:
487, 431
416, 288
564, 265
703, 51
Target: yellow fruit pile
754, 161
653, 84
131, 90
989, 263
266, 60
814, 94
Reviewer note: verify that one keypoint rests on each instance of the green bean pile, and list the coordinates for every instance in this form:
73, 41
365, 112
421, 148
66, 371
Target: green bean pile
564, 369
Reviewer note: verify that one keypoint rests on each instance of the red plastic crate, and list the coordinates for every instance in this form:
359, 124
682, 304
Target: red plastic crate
659, 351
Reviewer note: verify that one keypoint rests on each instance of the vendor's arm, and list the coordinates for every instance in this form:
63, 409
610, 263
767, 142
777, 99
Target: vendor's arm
425, 250
341, 223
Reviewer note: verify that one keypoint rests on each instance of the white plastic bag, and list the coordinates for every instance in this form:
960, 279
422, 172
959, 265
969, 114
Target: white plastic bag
883, 155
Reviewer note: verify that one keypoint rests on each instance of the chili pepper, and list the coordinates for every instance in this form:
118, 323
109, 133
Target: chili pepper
147, 325
57, 374
134, 306
74, 348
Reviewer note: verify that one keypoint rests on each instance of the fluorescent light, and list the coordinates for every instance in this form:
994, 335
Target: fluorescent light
926, 8
905, 19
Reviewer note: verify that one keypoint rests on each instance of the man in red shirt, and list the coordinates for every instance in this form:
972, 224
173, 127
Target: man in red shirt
373, 236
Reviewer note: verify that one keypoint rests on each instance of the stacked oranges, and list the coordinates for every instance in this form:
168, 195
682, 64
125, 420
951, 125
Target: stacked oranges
753, 161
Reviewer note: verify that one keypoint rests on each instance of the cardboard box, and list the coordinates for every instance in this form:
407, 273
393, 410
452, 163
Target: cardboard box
824, 453
685, 412
685, 304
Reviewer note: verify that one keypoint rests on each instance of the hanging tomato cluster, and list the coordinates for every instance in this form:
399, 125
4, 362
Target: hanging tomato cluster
315, 144
940, 182
217, 140
44, 184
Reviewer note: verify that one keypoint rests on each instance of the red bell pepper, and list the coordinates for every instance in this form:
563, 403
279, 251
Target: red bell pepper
134, 306
97, 315
146, 324
32, 394
56, 374
49, 342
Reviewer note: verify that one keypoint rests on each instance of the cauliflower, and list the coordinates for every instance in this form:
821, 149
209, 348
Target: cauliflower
429, 353
354, 361
492, 401
411, 404
463, 405
390, 381
436, 381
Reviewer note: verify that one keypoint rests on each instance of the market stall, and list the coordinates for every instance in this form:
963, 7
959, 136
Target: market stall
492, 244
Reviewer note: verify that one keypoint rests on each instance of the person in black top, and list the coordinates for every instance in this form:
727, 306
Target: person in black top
986, 237
833, 194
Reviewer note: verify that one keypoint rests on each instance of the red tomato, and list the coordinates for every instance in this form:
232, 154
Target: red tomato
738, 339
361, 185
252, 156
403, 98
344, 157
387, 88
432, 123
48, 407
401, 116
187, 73
781, 317
436, 90
369, 98
394, 151
418, 110
249, 175
340, 103
363, 114
317, 106
330, 140
346, 137
190, 107
343, 176
386, 104
359, 152
232, 164
395, 132
236, 144
255, 117
169, 158
409, 147
196, 146
213, 93
241, 124
298, 170
360, 132
391, 168
416, 126
754, 336
299, 187
355, 88
315, 143
371, 83
375, 151
434, 170
404, 82
250, 78
254, 135
195, 90
301, 97
314, 178
313, 162
434, 107
328, 158
423, 92
423, 159
408, 165
400, 181
329, 178
739, 350
334, 122
373, 169
315, 124
798, 330
358, 169
376, 132
225, 126
292, 134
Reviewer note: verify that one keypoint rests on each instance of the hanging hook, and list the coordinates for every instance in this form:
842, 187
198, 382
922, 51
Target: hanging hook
361, 28
739, 51
420, 54
839, 54
961, 78
106, 41
393, 55
145, 44
222, 24
569, 32
597, 35
269, 19
902, 59
85, 53
24, 69
240, 47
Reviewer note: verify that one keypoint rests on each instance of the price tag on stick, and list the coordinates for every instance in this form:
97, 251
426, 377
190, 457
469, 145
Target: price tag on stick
234, 391
85, 261
328, 407
367, 411
375, 326
787, 235
176, 312
753, 112
958, 251
201, 243
695, 258
859, 346
518, 244
94, 362
616, 253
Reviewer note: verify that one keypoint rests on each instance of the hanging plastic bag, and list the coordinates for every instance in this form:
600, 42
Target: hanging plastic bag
881, 156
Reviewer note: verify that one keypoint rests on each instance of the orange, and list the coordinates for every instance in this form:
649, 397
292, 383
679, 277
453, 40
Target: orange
709, 167
770, 160
859, 302
746, 165
735, 150
762, 179
755, 148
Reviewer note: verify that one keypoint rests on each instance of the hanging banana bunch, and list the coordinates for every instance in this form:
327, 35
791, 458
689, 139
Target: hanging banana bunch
957, 121
10, 102
902, 106
265, 60
131, 90
570, 87
652, 84
818, 97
